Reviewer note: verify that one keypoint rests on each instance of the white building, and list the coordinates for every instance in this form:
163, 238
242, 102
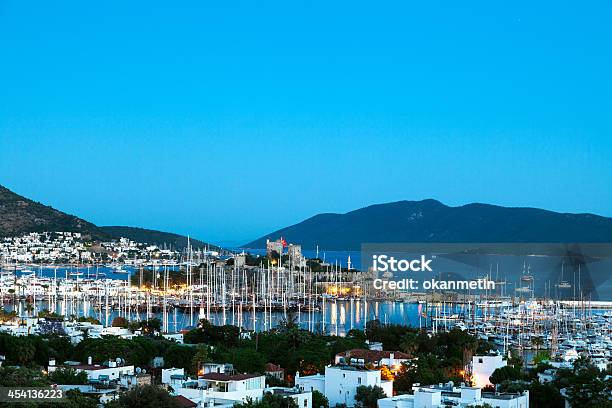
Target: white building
483, 367
311, 382
339, 384
303, 399
95, 372
173, 376
442, 396
177, 337
218, 390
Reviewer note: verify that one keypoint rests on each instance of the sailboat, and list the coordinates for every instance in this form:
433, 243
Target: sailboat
563, 284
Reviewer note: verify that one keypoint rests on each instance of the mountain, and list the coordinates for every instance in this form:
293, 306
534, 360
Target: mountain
20, 215
431, 221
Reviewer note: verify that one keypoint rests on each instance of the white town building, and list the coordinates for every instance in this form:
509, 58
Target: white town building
442, 396
339, 384
483, 367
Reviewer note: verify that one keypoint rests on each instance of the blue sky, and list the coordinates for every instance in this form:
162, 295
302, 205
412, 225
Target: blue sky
227, 120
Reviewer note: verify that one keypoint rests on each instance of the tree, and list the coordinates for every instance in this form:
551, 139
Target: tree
515, 359
120, 322
428, 370
151, 326
68, 376
179, 357
408, 342
367, 397
24, 349
545, 395
319, 400
145, 396
22, 377
537, 342
200, 357
245, 360
76, 399
269, 400
506, 373
89, 319
585, 385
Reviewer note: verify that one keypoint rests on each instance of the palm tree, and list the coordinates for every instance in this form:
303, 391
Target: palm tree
537, 342
408, 342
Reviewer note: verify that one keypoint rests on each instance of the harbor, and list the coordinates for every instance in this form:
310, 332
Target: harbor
180, 294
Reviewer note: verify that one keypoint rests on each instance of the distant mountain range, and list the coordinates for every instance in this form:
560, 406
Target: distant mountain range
432, 221
20, 215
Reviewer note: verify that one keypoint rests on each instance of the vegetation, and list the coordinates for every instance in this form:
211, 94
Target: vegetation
441, 357
585, 385
367, 397
269, 400
507, 373
145, 396
67, 376
438, 358
319, 400
88, 319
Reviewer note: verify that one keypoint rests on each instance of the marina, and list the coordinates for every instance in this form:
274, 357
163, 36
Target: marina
262, 298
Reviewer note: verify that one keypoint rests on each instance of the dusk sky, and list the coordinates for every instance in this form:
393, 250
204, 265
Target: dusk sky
227, 120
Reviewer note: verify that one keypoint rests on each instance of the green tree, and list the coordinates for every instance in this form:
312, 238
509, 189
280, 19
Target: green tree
68, 376
180, 357
22, 377
319, 400
585, 385
89, 319
545, 395
245, 360
76, 399
537, 342
151, 326
24, 350
145, 396
200, 357
408, 342
367, 397
269, 400
506, 373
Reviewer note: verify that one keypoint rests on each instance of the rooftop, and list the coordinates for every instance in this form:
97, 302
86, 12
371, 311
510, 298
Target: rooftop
227, 377
373, 355
185, 402
272, 368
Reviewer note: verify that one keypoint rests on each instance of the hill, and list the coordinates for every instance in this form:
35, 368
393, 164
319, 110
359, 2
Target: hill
431, 221
20, 215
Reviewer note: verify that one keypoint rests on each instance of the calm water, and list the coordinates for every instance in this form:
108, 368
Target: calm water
335, 317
